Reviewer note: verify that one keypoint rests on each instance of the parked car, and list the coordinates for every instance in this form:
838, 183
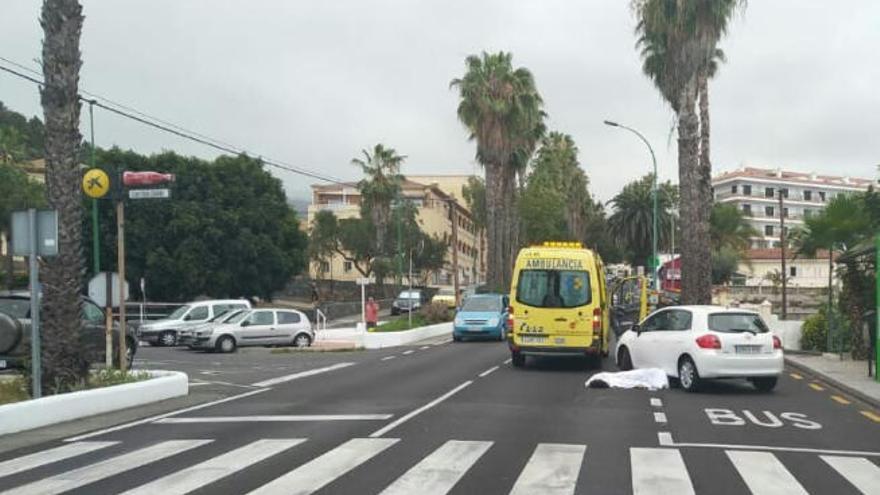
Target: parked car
15, 332
408, 300
695, 343
256, 327
445, 296
185, 337
481, 316
165, 332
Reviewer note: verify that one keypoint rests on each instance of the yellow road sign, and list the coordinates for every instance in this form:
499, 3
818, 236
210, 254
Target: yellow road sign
96, 183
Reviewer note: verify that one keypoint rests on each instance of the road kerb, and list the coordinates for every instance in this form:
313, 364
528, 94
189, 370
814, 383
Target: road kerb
836, 383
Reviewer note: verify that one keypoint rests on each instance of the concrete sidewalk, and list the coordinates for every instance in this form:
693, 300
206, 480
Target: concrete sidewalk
851, 376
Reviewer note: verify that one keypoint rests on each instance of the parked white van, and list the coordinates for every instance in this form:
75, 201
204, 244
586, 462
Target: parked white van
165, 332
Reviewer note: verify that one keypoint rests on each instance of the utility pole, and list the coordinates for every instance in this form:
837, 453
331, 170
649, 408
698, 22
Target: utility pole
782, 251
120, 248
453, 215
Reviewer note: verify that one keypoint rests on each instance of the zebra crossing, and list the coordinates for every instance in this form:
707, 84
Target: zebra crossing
551, 469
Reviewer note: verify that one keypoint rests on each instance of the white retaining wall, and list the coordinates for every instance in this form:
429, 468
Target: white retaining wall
378, 340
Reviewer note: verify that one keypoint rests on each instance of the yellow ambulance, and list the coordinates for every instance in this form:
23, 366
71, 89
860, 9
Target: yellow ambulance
558, 303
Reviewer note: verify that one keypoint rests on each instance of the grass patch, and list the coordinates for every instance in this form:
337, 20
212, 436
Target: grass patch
16, 388
13, 389
402, 324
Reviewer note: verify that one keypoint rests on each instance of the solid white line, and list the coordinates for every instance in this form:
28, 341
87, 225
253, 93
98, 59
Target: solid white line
659, 417
388, 358
425, 347
111, 467
764, 474
656, 402
277, 419
301, 374
862, 473
216, 468
165, 415
313, 475
665, 438
493, 368
659, 471
441, 470
507, 361
412, 414
775, 449
553, 469
405, 353
35, 460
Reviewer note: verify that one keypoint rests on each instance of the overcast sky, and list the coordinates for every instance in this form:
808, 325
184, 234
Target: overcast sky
311, 83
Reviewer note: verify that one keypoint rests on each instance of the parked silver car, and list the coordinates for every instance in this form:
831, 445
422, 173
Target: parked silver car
186, 337
257, 327
165, 332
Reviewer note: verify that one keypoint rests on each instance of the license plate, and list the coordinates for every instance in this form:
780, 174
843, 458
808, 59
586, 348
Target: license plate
531, 339
747, 349
475, 329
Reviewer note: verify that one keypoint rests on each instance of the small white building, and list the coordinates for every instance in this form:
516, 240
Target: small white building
762, 265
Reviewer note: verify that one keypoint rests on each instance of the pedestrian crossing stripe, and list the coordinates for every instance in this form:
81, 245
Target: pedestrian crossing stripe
552, 469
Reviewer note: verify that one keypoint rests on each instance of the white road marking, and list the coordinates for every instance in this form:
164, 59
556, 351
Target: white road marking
862, 473
315, 474
111, 467
425, 347
301, 374
764, 474
198, 384
490, 370
655, 402
507, 361
412, 414
406, 353
659, 471
165, 415
441, 470
216, 468
277, 419
659, 417
35, 460
553, 470
388, 358
665, 438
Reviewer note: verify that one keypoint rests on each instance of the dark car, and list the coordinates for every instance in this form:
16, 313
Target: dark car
408, 300
15, 332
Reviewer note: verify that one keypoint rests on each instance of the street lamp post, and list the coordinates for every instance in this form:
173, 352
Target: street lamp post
654, 260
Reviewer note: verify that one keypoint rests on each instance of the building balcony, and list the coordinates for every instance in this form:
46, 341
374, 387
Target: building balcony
727, 196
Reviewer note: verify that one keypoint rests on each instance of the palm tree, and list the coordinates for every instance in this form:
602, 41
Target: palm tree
728, 227
631, 224
64, 362
501, 108
379, 188
678, 41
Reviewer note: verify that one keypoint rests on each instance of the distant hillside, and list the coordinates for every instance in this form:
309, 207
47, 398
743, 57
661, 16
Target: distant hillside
21, 139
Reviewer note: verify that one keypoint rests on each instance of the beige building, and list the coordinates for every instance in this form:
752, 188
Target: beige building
435, 216
763, 264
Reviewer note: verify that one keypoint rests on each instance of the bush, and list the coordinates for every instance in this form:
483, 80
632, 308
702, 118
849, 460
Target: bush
814, 332
436, 313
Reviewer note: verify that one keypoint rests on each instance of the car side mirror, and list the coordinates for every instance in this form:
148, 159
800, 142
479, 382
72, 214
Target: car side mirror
637, 329
245, 323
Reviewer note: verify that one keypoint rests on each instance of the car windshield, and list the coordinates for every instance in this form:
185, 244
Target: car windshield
737, 322
237, 316
445, 292
477, 304
179, 312
553, 288
16, 308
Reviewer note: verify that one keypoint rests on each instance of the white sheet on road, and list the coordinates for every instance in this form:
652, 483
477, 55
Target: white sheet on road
648, 378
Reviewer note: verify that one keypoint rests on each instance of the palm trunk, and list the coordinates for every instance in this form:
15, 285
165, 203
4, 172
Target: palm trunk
64, 362
495, 220
696, 270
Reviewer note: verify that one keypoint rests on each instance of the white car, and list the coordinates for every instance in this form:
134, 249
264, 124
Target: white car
693, 343
256, 327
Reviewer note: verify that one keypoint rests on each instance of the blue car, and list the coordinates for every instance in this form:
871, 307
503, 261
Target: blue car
481, 316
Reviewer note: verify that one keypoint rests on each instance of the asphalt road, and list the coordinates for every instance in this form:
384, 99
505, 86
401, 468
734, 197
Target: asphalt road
442, 417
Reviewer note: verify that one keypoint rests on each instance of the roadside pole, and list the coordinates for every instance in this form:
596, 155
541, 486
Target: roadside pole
36, 351
782, 252
120, 248
409, 313
96, 185
877, 309
455, 281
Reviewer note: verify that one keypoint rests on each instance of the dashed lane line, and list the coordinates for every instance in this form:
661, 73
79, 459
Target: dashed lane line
656, 402
407, 353
490, 370
796, 376
840, 400
425, 347
817, 387
508, 360
872, 416
660, 417
388, 358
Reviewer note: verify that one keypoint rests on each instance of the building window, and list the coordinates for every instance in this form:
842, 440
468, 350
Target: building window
808, 195
733, 189
822, 196
769, 211
769, 192
768, 230
784, 192
747, 210
792, 271
346, 266
785, 212
747, 190
325, 267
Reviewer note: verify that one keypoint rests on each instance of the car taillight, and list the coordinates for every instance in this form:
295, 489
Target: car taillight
777, 342
709, 341
597, 320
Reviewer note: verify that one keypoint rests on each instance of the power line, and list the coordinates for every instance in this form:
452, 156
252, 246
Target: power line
169, 127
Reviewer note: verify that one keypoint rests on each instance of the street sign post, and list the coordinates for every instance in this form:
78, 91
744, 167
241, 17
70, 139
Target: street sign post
363, 282
149, 193
35, 233
104, 291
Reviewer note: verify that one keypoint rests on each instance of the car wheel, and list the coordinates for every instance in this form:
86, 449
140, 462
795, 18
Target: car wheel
225, 344
168, 339
517, 359
302, 340
764, 383
688, 376
624, 361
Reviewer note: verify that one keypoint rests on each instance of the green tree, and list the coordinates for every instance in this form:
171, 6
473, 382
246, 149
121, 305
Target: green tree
17, 192
501, 108
379, 188
323, 234
64, 362
474, 193
631, 223
728, 227
679, 48
20, 136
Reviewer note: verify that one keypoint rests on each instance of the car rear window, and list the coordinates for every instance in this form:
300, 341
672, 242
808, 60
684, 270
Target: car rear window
482, 304
554, 288
737, 322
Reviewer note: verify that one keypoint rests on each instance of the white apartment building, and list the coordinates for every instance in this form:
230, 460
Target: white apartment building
756, 192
